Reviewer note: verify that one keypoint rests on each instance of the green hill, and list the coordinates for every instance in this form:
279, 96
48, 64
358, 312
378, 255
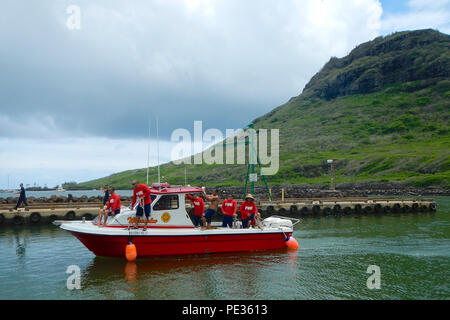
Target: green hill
382, 112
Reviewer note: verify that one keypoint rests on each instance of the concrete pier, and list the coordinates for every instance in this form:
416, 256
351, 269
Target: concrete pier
44, 213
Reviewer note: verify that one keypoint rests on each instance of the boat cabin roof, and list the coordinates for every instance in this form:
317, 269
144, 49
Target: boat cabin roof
165, 188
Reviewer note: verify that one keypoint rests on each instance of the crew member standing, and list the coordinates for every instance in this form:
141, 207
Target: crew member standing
213, 206
106, 196
229, 208
113, 207
199, 209
22, 197
248, 211
141, 198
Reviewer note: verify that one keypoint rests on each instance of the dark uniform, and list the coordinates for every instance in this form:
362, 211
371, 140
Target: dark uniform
22, 198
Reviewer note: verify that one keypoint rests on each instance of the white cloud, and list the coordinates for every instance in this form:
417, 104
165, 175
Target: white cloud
422, 14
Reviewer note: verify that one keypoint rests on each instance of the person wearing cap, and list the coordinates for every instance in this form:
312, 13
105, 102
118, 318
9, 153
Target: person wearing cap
199, 210
248, 211
113, 207
142, 199
229, 208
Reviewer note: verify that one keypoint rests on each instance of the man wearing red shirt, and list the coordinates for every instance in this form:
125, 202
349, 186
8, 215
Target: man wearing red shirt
141, 198
248, 211
229, 208
199, 209
112, 208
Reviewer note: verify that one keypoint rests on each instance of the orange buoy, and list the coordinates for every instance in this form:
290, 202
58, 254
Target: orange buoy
130, 252
291, 243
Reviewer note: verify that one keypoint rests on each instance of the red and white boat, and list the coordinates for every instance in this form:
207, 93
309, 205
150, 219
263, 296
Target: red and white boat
170, 231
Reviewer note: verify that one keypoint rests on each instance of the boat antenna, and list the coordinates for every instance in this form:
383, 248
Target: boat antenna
157, 147
148, 148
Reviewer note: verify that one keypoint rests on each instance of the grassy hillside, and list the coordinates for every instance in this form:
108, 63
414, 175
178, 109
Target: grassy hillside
382, 112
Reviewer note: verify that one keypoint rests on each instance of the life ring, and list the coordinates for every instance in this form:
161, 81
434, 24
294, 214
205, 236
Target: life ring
415, 207
358, 208
18, 220
433, 206
327, 211
378, 208
35, 217
397, 208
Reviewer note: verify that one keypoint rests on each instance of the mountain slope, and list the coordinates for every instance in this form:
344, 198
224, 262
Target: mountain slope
382, 112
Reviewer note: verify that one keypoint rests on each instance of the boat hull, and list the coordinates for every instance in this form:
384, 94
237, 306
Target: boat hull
169, 245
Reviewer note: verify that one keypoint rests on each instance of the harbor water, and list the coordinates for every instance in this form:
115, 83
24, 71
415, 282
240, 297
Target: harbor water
411, 250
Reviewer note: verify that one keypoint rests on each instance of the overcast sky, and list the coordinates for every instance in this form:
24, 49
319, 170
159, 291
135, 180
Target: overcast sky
75, 103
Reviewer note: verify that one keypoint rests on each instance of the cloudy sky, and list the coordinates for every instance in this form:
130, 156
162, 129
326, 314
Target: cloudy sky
75, 103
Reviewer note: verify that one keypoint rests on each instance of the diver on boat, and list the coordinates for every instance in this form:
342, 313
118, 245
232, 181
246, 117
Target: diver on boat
112, 209
248, 212
213, 206
141, 198
229, 209
199, 210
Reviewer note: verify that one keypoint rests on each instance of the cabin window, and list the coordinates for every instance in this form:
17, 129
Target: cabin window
167, 202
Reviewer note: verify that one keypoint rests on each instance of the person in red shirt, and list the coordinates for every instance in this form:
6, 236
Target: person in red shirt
112, 208
248, 211
199, 210
229, 208
141, 199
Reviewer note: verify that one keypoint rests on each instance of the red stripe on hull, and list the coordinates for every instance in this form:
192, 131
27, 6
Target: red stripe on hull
150, 246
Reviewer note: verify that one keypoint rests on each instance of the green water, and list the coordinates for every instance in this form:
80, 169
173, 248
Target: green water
412, 251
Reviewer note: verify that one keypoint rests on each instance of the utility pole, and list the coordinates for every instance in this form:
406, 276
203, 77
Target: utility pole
332, 174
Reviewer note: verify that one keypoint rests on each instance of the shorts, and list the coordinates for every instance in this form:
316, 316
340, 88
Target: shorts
250, 220
117, 211
209, 214
147, 210
198, 221
227, 221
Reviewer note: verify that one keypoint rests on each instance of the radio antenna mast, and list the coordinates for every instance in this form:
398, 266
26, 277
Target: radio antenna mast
157, 147
148, 149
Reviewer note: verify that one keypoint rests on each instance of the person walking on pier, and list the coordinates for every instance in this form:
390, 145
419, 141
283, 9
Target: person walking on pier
22, 197
229, 209
199, 210
213, 206
141, 199
248, 211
